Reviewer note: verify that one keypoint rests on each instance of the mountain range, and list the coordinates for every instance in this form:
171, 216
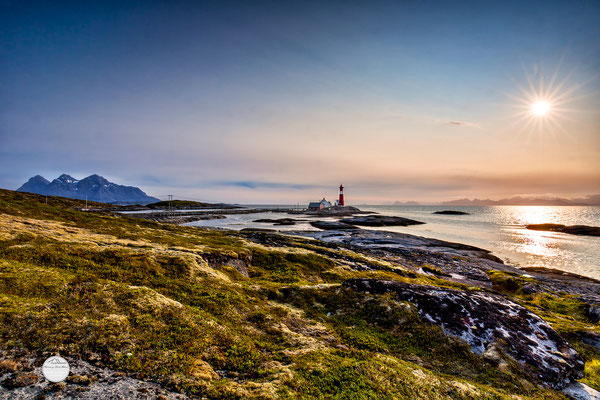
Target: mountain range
592, 200
94, 188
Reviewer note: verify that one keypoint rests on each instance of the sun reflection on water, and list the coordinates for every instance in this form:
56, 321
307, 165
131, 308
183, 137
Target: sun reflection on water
535, 243
525, 215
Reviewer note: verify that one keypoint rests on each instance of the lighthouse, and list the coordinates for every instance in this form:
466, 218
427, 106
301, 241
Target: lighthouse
341, 200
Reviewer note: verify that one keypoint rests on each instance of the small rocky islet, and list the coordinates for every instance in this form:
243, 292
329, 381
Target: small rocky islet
584, 230
150, 309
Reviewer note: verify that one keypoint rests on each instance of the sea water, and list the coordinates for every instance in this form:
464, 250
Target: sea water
500, 229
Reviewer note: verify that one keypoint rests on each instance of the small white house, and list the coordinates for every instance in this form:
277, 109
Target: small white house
318, 205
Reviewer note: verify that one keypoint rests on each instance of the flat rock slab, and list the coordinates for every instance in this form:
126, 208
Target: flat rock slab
380, 220
484, 320
279, 221
580, 391
583, 230
332, 225
466, 264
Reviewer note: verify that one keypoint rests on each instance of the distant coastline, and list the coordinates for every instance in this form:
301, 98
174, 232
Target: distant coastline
590, 200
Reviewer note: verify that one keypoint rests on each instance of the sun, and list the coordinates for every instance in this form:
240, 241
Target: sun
544, 103
540, 108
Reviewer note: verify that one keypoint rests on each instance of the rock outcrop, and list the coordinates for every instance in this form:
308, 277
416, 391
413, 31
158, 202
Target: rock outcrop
487, 321
464, 263
86, 381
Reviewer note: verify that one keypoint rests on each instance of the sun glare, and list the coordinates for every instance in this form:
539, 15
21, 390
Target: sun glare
540, 108
542, 105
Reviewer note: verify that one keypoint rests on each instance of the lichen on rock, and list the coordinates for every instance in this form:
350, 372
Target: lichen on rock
485, 320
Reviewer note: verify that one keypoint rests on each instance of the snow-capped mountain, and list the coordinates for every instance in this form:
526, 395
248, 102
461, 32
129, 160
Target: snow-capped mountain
95, 187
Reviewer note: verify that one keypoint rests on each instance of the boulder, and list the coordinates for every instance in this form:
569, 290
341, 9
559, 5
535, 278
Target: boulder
485, 321
218, 260
593, 312
451, 212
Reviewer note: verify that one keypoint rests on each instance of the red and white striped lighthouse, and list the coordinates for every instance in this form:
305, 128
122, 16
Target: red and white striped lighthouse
341, 200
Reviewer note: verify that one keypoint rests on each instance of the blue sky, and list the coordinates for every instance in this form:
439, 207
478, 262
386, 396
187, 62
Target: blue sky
282, 101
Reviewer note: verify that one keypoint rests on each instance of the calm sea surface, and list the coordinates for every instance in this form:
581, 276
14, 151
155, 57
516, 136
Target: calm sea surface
500, 229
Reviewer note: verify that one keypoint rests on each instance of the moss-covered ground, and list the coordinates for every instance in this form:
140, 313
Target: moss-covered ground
170, 304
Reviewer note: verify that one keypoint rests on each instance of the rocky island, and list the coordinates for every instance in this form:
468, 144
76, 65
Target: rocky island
142, 309
570, 229
451, 212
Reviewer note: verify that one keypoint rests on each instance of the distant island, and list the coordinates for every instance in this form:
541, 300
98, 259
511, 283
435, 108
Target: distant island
451, 212
93, 188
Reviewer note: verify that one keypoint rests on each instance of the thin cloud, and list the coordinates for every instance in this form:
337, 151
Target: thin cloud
463, 123
264, 185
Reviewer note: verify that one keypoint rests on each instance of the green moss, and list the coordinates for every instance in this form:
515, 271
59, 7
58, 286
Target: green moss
508, 282
592, 373
289, 267
244, 358
433, 270
363, 375
566, 305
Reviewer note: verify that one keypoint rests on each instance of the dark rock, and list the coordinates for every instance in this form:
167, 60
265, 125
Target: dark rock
218, 260
257, 230
583, 230
593, 313
332, 225
380, 220
484, 319
529, 288
451, 212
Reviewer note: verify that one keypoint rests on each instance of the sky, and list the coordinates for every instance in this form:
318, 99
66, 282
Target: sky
279, 102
